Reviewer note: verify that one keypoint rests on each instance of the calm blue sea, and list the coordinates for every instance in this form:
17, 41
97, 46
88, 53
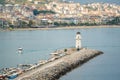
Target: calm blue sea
37, 45
95, 1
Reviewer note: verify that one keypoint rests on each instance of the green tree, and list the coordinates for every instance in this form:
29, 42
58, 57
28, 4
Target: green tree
30, 23
65, 50
115, 21
56, 23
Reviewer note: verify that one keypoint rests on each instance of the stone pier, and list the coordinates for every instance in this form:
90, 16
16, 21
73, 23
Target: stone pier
59, 67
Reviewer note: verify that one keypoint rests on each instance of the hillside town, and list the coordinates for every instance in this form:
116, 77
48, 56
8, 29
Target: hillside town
54, 13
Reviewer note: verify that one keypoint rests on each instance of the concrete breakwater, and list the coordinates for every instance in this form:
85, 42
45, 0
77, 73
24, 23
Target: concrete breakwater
59, 67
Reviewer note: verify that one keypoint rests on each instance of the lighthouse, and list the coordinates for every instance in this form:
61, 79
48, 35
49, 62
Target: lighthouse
78, 41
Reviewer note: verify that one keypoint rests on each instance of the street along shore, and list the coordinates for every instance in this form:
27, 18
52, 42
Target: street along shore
59, 66
62, 28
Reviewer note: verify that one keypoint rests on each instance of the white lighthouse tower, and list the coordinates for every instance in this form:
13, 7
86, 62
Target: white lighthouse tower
78, 41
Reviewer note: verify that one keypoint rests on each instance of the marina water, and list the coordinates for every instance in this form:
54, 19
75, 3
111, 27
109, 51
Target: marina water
38, 44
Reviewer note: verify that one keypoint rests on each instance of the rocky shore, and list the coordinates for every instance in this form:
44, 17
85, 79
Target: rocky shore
55, 69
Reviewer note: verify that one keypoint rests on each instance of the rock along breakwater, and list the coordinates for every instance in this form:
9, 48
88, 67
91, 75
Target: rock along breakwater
59, 67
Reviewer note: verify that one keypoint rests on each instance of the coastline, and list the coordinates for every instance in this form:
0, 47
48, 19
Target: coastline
63, 28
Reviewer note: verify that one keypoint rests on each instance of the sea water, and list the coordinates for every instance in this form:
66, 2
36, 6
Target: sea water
38, 44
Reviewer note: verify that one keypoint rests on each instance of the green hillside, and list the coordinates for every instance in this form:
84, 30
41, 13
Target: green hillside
2, 1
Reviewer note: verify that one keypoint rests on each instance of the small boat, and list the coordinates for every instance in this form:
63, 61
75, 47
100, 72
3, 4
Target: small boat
2, 77
20, 50
55, 53
13, 76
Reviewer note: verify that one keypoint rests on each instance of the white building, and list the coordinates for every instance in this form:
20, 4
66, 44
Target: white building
30, 0
8, 7
78, 40
36, 2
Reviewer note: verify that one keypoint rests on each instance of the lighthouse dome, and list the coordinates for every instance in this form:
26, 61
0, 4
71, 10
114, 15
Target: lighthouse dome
78, 32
